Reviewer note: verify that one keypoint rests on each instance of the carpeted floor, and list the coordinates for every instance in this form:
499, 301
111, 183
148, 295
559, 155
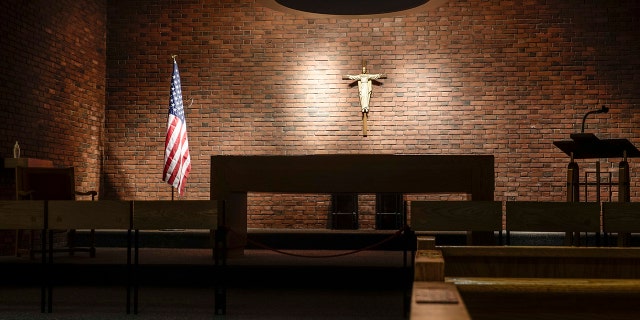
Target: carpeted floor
175, 284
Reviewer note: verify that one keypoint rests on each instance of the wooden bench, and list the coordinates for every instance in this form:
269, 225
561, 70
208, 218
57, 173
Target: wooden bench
27, 215
542, 262
518, 281
92, 215
437, 300
104, 214
159, 215
431, 297
428, 262
545, 282
468, 216
546, 285
622, 218
540, 216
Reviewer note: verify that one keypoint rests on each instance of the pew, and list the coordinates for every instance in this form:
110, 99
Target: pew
107, 214
468, 216
540, 216
545, 282
158, 215
27, 215
92, 215
622, 218
542, 262
437, 300
431, 296
537, 282
547, 285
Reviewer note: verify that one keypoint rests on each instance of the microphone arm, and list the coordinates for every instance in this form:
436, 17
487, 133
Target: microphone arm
604, 109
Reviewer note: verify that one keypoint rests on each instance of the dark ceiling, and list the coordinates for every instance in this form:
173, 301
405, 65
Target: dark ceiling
351, 7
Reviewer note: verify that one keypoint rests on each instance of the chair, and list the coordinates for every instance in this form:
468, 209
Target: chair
103, 214
567, 217
622, 218
167, 215
457, 216
33, 183
344, 211
389, 211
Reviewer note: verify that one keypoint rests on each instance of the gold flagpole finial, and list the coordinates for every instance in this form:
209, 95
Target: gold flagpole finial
173, 56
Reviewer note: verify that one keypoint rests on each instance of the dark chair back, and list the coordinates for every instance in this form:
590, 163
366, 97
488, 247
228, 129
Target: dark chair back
45, 183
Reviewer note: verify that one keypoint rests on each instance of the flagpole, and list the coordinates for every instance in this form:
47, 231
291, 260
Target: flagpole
179, 159
176, 143
173, 189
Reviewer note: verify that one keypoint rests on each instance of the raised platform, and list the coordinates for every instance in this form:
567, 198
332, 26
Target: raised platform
322, 239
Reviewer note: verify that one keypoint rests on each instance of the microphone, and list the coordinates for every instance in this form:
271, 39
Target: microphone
604, 109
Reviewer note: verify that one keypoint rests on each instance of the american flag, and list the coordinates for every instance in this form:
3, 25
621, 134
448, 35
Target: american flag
177, 161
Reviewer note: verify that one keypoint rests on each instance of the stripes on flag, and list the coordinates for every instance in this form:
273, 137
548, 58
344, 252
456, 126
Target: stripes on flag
177, 161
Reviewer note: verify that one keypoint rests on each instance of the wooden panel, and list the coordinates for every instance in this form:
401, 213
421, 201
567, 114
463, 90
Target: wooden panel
179, 214
553, 216
363, 173
429, 266
441, 309
456, 215
21, 214
541, 251
426, 243
546, 285
621, 217
102, 214
27, 162
541, 261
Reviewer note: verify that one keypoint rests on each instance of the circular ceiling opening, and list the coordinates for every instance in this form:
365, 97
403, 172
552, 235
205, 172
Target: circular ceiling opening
351, 7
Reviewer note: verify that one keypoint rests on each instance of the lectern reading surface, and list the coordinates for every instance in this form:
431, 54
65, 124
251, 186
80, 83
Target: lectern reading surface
588, 146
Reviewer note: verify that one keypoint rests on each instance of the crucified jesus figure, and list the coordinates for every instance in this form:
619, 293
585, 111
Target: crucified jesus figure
365, 88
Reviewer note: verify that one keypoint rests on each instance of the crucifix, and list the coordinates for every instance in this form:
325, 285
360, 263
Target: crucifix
364, 81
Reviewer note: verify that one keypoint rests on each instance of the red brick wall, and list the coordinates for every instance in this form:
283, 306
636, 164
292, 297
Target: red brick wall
475, 77
52, 97
53, 82
472, 77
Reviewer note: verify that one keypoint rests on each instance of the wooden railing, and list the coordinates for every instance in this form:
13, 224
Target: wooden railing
133, 216
571, 218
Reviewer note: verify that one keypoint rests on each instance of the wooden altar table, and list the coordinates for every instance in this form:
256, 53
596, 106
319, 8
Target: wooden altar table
232, 177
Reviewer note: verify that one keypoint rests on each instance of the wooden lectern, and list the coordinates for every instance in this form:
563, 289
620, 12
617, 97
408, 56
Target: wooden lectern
588, 146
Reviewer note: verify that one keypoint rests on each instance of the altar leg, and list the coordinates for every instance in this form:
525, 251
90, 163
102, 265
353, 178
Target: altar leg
235, 222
